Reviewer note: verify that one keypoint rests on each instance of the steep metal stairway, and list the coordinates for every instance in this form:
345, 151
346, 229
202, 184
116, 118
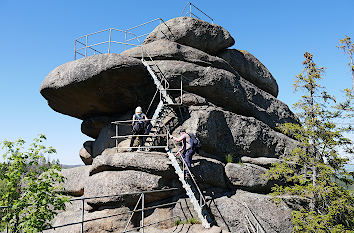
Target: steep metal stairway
191, 187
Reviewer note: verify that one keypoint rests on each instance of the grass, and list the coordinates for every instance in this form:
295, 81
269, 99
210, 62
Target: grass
188, 221
229, 158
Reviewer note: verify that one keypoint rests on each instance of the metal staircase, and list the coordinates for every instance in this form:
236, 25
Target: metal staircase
191, 187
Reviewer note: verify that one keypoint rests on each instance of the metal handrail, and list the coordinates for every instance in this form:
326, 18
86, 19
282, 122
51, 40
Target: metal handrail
110, 41
190, 11
202, 200
258, 228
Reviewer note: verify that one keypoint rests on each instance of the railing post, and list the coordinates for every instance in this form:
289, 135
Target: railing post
83, 216
142, 210
86, 47
109, 40
75, 51
116, 137
125, 40
190, 9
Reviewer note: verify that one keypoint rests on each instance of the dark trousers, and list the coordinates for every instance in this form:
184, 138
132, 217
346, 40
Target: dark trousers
141, 138
187, 156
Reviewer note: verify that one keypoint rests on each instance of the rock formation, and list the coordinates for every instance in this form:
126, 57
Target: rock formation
229, 103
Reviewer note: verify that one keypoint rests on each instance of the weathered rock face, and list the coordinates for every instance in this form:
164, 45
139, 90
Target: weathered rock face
193, 32
227, 90
230, 212
75, 179
86, 153
105, 84
251, 69
121, 182
222, 132
248, 176
154, 163
169, 50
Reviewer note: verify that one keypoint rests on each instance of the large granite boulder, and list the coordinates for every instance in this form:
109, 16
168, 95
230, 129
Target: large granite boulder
227, 90
86, 153
251, 69
210, 38
169, 50
222, 132
230, 212
152, 162
105, 84
75, 179
260, 161
100, 224
248, 176
119, 183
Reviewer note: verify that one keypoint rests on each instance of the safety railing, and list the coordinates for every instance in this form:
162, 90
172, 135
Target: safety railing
113, 40
185, 168
189, 7
142, 209
255, 227
179, 90
118, 137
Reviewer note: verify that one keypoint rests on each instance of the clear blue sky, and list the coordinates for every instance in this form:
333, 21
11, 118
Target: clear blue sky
37, 36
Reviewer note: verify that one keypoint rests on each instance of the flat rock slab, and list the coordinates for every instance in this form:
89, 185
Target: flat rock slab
193, 32
251, 69
248, 176
152, 162
227, 90
75, 179
230, 212
125, 182
169, 50
105, 84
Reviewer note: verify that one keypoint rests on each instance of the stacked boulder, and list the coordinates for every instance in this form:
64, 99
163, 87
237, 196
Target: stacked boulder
229, 103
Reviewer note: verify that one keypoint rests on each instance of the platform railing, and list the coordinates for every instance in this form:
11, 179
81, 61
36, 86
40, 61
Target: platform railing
129, 38
143, 209
188, 11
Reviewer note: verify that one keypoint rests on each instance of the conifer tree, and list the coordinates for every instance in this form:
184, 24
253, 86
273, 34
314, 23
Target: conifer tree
314, 165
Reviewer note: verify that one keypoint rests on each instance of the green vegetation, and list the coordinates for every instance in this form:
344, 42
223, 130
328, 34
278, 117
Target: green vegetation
30, 186
229, 158
313, 167
188, 221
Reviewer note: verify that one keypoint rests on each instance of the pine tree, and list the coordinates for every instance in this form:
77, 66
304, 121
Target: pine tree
312, 168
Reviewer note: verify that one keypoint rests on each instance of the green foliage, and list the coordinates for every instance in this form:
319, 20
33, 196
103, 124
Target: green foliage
32, 186
178, 222
192, 221
312, 168
228, 158
348, 48
188, 221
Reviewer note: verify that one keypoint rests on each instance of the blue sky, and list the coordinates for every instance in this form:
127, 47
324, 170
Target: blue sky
37, 36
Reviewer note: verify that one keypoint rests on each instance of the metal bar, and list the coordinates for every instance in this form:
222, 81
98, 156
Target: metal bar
154, 223
143, 147
109, 40
202, 11
123, 194
138, 36
131, 216
83, 216
125, 41
152, 100
140, 135
86, 48
184, 8
93, 33
190, 9
75, 51
143, 24
129, 121
142, 210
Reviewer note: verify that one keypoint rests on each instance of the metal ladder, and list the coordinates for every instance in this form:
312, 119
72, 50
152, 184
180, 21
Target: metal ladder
191, 187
